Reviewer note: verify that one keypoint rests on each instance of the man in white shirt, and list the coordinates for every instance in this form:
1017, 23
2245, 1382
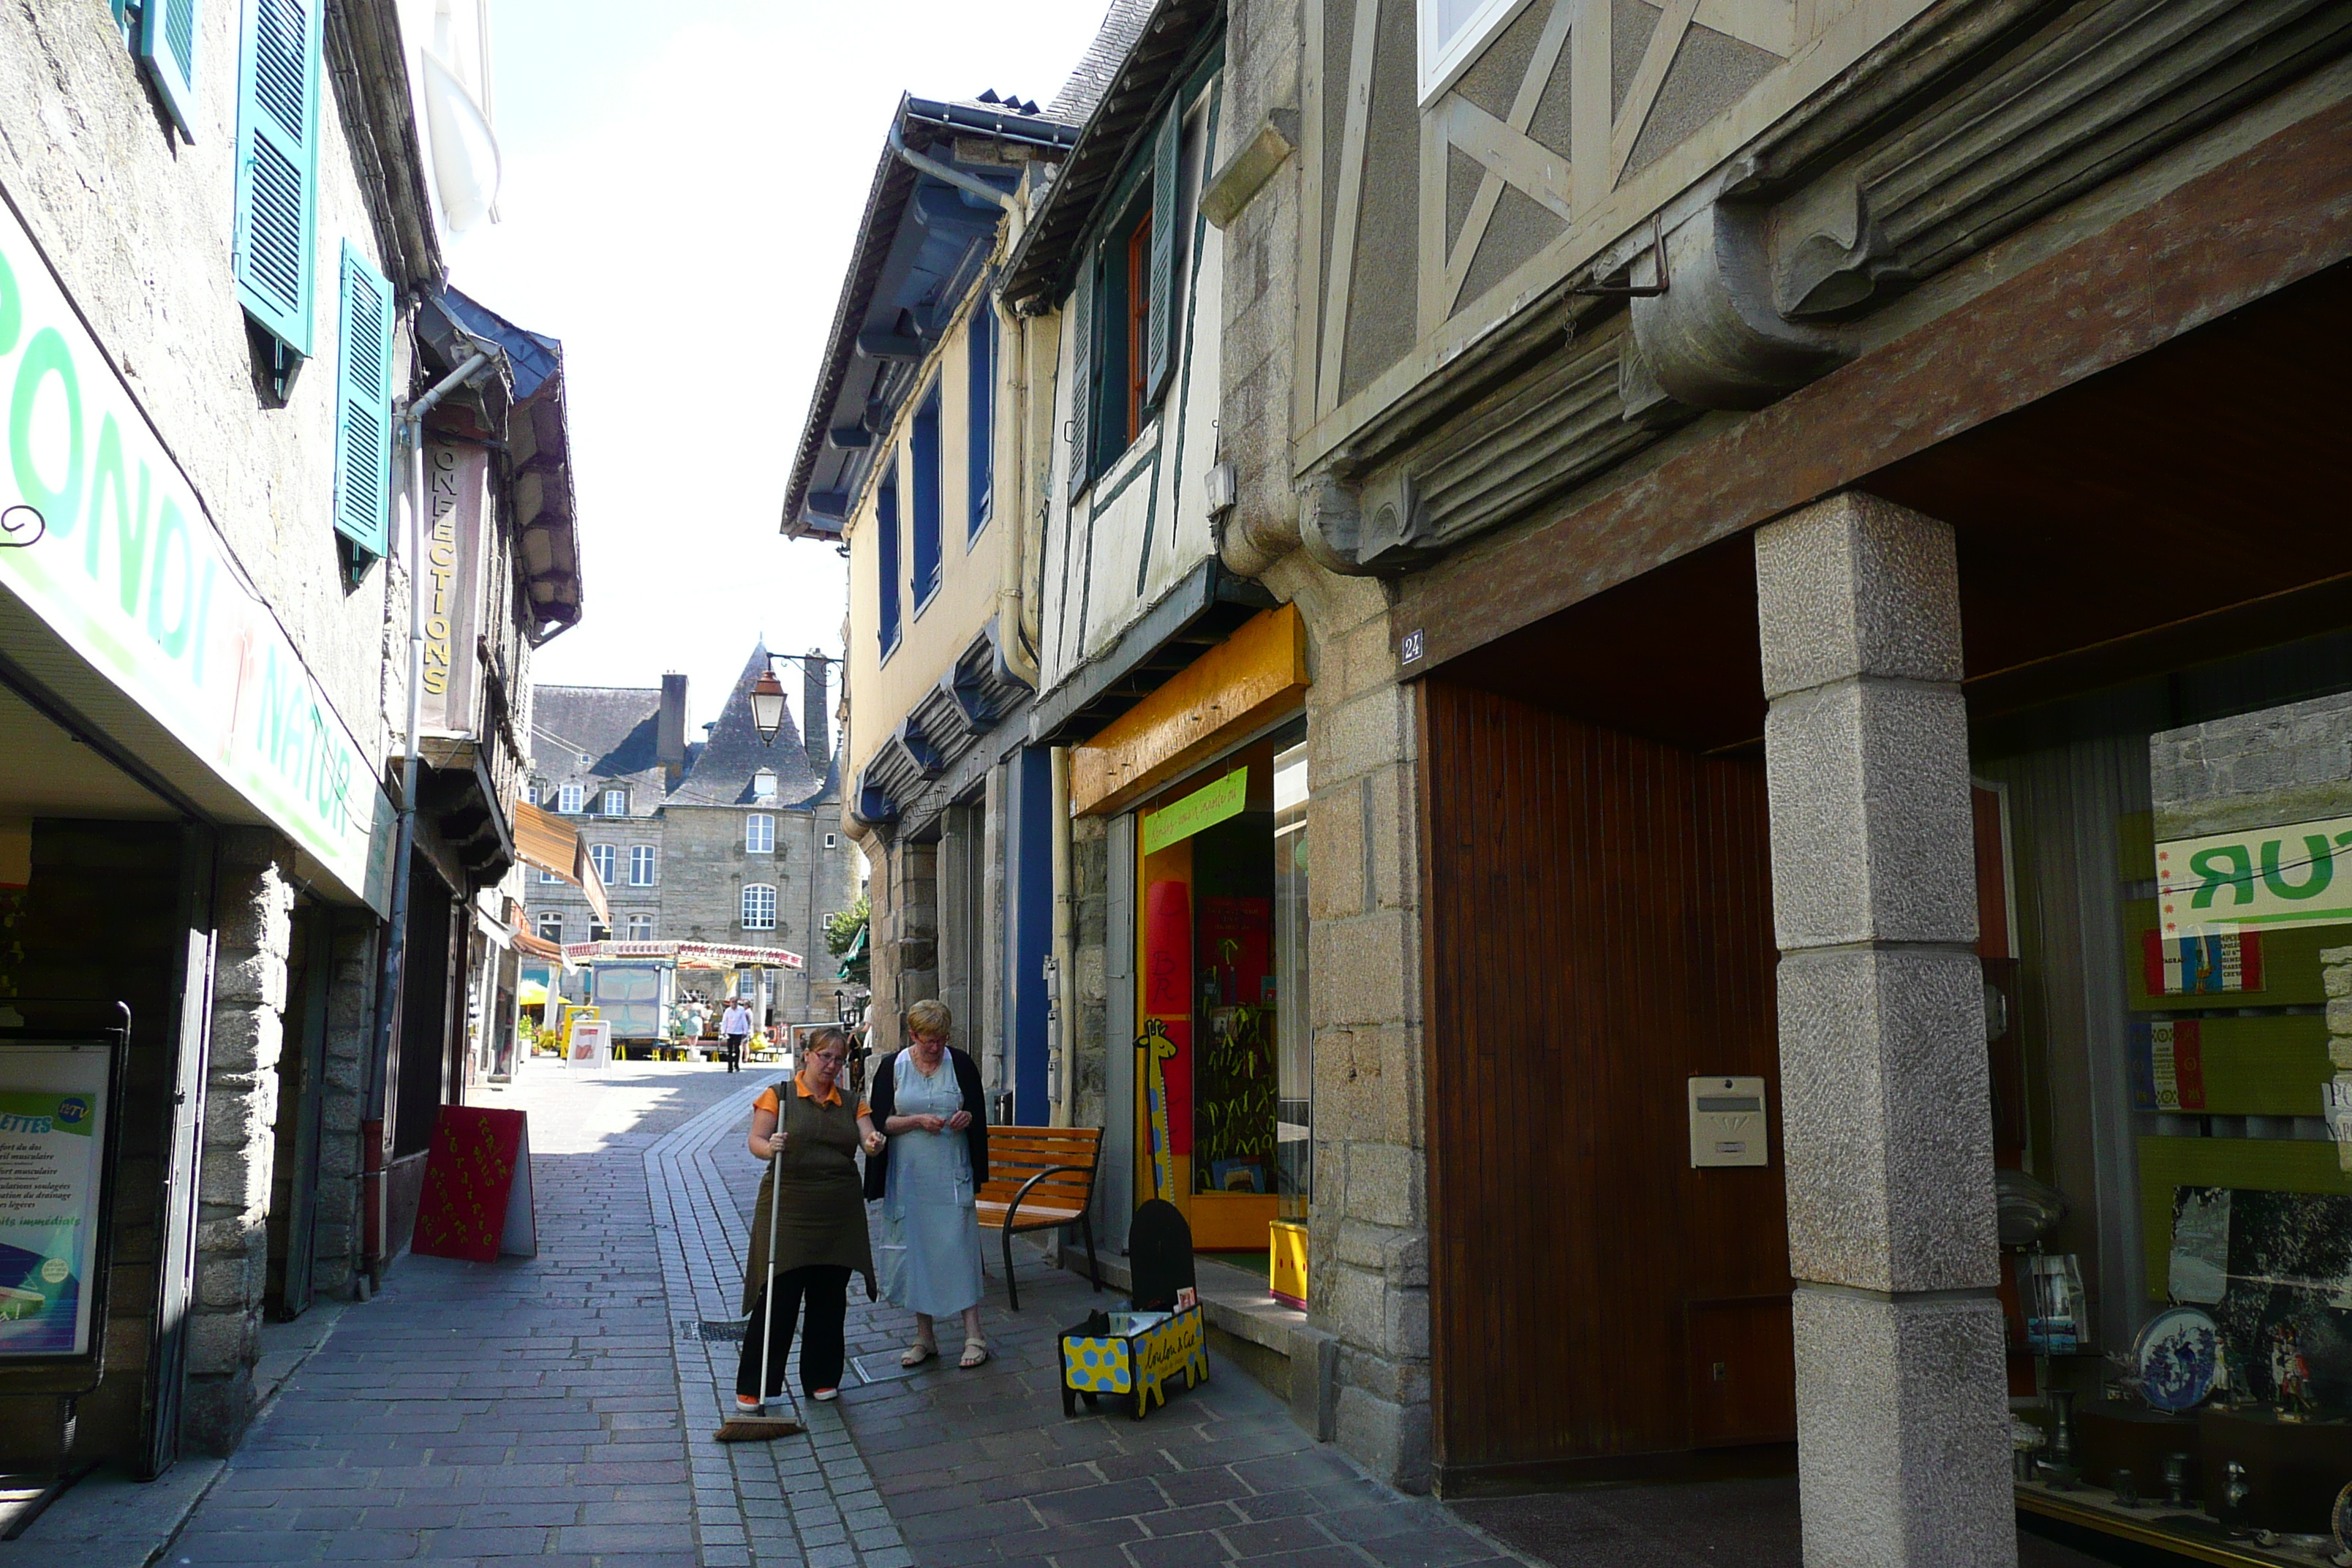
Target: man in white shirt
735, 1028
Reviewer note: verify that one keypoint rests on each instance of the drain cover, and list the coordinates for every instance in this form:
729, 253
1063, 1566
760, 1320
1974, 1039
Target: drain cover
709, 1328
886, 1362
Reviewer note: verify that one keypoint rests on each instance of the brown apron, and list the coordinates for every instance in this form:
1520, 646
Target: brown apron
823, 1216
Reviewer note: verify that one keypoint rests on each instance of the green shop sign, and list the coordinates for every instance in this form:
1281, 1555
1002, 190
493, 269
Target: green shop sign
2262, 878
1202, 808
104, 540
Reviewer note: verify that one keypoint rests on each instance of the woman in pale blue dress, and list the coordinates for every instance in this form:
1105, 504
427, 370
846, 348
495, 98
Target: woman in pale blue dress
927, 1099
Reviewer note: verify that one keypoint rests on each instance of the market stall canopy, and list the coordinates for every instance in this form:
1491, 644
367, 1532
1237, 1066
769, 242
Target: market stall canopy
531, 993
545, 840
685, 954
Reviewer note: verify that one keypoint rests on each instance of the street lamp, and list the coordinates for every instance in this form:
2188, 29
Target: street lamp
767, 706
767, 694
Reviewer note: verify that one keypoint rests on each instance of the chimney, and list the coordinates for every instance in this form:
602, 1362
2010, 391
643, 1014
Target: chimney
669, 732
816, 718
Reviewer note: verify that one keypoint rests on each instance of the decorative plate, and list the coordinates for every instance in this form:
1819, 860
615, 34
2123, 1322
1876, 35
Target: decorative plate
2340, 1518
2180, 1358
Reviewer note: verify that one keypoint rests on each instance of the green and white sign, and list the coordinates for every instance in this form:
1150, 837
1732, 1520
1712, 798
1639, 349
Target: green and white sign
104, 540
52, 1113
2262, 878
1202, 808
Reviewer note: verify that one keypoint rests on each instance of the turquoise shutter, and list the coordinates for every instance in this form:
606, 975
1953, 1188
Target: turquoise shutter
167, 46
1082, 379
276, 165
1159, 325
364, 407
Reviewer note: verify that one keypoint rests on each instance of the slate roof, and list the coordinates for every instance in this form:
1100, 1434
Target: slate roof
614, 725
722, 775
1099, 66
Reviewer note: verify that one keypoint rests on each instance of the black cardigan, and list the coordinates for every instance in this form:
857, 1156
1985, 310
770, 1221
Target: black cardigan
882, 1098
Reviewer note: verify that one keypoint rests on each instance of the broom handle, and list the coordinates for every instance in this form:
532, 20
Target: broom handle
768, 1286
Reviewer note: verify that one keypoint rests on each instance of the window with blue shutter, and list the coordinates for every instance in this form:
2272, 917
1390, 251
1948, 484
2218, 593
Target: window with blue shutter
886, 553
1080, 319
168, 30
1159, 322
925, 445
364, 407
276, 165
979, 407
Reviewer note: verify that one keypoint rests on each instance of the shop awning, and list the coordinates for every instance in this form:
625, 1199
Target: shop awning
545, 840
534, 946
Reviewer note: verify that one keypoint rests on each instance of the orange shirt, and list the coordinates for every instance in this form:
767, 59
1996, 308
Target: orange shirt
770, 1104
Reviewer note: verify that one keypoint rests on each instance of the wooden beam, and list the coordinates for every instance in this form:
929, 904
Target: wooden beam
1541, 65
1641, 93
1249, 679
1353, 151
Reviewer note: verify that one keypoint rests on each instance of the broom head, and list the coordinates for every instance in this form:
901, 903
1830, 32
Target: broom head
757, 1429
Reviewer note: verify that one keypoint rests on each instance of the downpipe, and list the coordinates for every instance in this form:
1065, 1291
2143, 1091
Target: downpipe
395, 947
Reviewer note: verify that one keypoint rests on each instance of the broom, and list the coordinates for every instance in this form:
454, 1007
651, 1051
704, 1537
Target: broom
766, 1428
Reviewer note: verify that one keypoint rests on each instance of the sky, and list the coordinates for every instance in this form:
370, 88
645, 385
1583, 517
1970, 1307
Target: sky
679, 191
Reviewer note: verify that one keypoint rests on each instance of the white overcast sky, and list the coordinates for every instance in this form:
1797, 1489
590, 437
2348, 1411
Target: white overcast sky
681, 184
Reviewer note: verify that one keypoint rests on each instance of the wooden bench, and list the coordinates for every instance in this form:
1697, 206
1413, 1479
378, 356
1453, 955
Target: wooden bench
1040, 1178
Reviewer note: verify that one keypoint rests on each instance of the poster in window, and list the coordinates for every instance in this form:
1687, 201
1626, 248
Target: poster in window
55, 1099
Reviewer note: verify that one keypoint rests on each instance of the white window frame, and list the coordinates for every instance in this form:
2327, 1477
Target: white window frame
760, 833
606, 859
642, 859
763, 784
641, 928
616, 803
765, 917
546, 876
571, 799
1443, 60
551, 926
831, 840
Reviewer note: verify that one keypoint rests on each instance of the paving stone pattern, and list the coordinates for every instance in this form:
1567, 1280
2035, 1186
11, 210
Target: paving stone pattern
560, 1409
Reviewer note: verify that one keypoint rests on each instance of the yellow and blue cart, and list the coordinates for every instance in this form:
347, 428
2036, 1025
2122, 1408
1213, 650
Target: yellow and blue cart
1134, 1356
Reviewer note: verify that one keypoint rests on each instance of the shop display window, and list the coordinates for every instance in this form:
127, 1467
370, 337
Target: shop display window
2165, 878
1226, 1127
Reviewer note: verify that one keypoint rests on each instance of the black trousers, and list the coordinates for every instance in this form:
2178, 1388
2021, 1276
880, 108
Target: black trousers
824, 1287
735, 1053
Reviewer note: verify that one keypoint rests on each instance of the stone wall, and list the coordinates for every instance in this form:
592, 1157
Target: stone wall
254, 909
351, 1003
2288, 763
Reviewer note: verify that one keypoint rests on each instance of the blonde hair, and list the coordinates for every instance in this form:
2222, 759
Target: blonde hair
931, 1017
829, 1039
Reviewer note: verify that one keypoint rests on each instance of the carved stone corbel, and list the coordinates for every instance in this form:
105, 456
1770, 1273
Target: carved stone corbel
1716, 339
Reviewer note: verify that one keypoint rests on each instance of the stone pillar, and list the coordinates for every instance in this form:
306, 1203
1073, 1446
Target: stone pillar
1902, 1411
351, 1008
254, 900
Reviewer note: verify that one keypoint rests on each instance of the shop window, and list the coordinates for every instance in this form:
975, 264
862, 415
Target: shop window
550, 927
980, 420
641, 864
570, 799
276, 204
925, 448
1223, 988
641, 928
759, 834
616, 803
603, 858
759, 907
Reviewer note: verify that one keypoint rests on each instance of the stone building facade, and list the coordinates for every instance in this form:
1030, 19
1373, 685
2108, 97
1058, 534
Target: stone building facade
699, 823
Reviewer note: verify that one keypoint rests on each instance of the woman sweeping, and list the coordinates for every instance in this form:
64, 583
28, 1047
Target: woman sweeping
820, 1224
928, 1099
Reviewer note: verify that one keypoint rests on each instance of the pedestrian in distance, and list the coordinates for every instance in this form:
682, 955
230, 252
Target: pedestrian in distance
927, 1100
809, 1136
735, 1027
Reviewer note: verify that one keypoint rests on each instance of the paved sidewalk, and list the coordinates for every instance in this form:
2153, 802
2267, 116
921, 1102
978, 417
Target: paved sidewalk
478, 1413
981, 1466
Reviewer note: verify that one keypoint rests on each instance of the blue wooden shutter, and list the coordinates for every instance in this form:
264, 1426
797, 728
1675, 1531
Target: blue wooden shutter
364, 407
886, 553
276, 165
980, 424
167, 45
1159, 324
1082, 377
925, 445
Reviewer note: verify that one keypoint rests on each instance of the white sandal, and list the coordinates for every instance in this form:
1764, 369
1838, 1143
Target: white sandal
975, 1353
917, 1354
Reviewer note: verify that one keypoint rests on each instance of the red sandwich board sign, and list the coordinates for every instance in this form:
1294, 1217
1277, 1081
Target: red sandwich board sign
477, 1201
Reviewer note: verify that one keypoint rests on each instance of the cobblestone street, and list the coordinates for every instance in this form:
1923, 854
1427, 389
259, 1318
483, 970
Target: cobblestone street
561, 1408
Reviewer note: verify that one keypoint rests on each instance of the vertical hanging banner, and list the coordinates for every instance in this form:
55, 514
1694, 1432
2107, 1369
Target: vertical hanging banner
56, 1102
457, 481
477, 1203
